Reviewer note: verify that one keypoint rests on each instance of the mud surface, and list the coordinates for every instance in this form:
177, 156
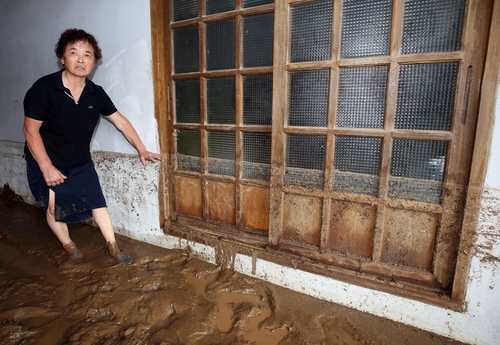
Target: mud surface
165, 297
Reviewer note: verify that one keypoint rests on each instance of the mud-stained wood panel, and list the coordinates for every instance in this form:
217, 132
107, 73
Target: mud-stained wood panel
255, 206
409, 238
351, 228
189, 196
221, 203
302, 219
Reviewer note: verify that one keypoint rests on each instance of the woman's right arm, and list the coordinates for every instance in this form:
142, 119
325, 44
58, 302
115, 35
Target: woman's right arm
51, 174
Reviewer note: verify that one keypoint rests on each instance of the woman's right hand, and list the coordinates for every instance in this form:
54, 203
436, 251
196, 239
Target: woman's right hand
53, 176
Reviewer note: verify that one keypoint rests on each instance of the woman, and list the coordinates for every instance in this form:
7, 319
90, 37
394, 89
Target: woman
61, 113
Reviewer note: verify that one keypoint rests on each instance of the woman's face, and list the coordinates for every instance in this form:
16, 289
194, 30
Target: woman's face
78, 59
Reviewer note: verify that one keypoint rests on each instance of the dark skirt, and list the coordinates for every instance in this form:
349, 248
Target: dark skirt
75, 198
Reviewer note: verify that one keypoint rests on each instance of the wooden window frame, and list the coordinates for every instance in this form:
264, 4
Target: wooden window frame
162, 77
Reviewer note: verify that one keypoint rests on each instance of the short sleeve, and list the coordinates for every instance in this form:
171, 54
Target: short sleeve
36, 102
107, 106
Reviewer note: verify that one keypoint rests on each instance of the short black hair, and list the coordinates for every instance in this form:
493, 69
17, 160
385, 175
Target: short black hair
70, 36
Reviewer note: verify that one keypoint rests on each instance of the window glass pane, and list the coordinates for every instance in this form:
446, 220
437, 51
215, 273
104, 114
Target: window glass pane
220, 45
257, 156
308, 98
366, 28
184, 9
257, 99
305, 160
432, 26
252, 3
221, 96
311, 31
258, 34
186, 57
417, 169
357, 163
187, 101
221, 153
219, 6
361, 98
426, 96
188, 150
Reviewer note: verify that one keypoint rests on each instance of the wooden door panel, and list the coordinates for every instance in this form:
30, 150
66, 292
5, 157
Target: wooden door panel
189, 197
409, 238
302, 219
255, 203
351, 228
221, 202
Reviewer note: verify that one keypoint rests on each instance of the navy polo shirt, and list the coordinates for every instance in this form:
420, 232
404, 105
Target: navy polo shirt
67, 126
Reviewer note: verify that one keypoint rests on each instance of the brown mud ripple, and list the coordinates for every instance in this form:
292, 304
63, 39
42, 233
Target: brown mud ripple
165, 297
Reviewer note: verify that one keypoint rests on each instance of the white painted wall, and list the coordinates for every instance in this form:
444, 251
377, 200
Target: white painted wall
29, 30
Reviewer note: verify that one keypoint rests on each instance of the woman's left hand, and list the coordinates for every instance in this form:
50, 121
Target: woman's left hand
145, 156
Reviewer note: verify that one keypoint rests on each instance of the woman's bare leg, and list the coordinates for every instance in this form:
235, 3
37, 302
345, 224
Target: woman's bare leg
60, 230
103, 221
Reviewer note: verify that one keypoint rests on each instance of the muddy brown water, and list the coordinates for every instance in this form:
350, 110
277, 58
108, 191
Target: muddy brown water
165, 297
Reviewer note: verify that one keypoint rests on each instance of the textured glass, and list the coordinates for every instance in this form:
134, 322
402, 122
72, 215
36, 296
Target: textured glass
221, 97
432, 26
308, 98
252, 3
188, 150
257, 99
258, 34
186, 56
361, 98
184, 9
426, 96
220, 45
305, 160
357, 164
219, 6
187, 101
366, 28
311, 31
257, 156
417, 169
221, 153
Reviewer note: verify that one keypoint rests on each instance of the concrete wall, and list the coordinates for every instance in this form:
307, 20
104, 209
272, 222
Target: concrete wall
30, 29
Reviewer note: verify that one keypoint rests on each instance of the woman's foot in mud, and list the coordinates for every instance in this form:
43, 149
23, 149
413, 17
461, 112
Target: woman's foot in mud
74, 253
116, 253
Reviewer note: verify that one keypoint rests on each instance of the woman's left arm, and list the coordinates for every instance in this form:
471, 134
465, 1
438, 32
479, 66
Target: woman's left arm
125, 127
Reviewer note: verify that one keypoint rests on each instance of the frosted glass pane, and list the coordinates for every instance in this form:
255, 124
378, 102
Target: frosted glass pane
432, 26
252, 3
311, 31
221, 98
187, 101
186, 57
426, 96
189, 150
221, 153
257, 156
366, 28
184, 9
258, 35
305, 160
257, 99
308, 98
357, 164
219, 6
361, 98
417, 169
220, 45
